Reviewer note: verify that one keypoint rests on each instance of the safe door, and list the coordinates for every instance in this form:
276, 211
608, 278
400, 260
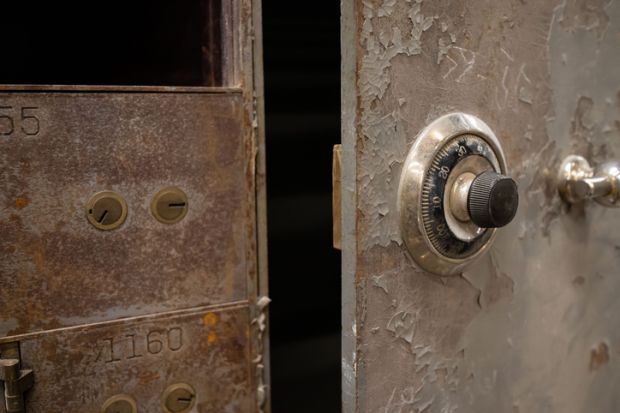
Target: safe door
130, 209
479, 176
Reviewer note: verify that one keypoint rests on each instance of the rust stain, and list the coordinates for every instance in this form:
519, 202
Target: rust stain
143, 356
148, 377
53, 243
599, 356
210, 319
191, 137
38, 257
21, 203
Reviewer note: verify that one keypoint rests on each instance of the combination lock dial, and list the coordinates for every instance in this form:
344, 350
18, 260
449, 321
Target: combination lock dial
454, 193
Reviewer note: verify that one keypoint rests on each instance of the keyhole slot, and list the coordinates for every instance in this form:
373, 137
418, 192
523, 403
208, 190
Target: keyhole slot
105, 213
120, 403
106, 210
169, 205
178, 398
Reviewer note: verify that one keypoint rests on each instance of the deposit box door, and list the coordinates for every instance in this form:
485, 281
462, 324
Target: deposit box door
531, 324
129, 191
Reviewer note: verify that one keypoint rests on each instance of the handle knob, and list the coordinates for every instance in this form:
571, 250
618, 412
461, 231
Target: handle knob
579, 182
493, 200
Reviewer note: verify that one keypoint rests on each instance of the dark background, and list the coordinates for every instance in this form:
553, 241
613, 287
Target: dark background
138, 42
302, 99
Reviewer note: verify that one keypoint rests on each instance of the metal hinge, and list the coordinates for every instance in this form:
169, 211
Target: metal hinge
16, 380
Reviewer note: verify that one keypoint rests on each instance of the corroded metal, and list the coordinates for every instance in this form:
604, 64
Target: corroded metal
135, 310
78, 369
73, 277
532, 326
68, 272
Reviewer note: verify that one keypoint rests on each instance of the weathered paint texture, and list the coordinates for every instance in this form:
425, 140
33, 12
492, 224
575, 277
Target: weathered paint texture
532, 326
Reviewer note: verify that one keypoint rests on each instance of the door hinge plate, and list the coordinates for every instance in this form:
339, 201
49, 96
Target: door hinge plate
16, 381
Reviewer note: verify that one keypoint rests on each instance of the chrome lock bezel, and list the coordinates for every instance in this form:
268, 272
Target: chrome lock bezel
419, 161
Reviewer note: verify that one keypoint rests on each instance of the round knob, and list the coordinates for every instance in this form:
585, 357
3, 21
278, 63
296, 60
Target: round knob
493, 200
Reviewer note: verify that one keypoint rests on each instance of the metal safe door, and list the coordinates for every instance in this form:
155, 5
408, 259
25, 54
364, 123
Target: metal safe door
531, 325
130, 224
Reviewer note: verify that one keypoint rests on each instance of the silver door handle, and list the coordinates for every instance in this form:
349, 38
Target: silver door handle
578, 181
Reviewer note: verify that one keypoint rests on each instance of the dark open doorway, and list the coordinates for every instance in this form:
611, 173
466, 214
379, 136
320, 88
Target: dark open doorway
302, 89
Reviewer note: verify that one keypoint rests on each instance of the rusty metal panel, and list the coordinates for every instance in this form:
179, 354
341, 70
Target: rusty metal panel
532, 326
142, 357
138, 308
59, 149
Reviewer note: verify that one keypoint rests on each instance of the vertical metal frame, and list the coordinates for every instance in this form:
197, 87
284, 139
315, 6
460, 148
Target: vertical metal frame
349, 107
262, 313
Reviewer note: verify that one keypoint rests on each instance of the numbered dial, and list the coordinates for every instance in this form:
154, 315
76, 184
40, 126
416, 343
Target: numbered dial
451, 237
442, 226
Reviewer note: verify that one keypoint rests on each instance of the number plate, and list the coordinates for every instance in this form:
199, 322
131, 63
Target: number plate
142, 357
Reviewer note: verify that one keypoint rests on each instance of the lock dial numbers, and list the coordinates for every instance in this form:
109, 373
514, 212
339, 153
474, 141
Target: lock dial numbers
446, 163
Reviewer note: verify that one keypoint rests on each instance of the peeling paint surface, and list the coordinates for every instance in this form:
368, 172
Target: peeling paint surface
532, 326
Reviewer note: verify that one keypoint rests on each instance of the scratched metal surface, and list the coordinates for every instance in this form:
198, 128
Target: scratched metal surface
77, 370
56, 269
533, 326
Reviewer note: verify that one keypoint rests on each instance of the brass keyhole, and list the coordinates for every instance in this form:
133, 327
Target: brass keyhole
120, 403
179, 398
169, 205
106, 210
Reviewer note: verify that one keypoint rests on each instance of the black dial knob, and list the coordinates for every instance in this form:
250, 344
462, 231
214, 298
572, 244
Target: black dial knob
492, 200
